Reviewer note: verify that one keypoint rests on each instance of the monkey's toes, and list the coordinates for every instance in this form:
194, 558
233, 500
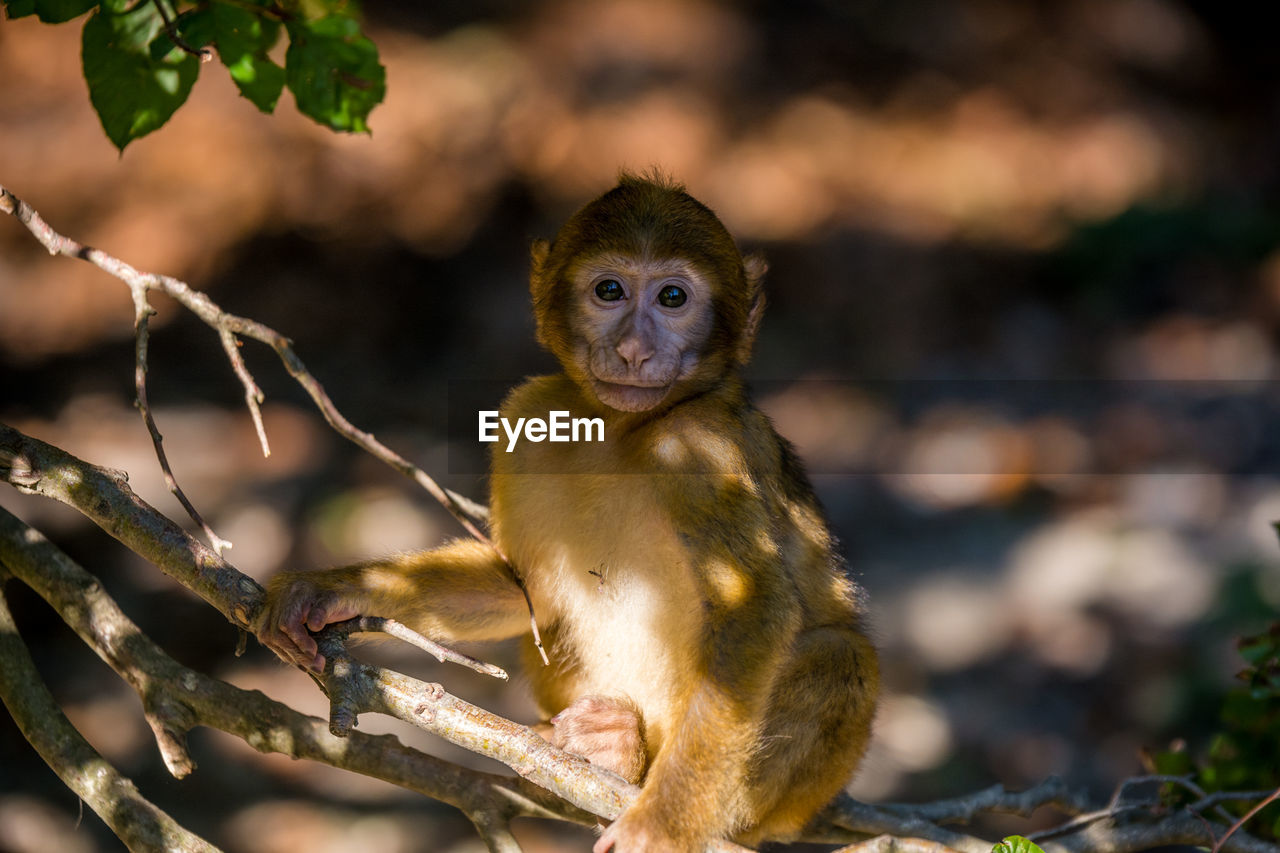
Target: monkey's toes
607, 731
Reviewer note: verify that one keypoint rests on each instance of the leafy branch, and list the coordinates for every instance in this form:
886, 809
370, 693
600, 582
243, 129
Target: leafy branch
141, 59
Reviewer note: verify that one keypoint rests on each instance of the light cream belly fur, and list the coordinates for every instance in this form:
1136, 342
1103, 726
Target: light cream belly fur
623, 616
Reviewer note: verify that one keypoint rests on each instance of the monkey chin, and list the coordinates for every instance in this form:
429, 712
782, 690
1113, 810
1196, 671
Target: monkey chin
629, 398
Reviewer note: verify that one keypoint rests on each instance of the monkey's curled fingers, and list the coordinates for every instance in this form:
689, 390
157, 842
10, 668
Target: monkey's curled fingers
295, 605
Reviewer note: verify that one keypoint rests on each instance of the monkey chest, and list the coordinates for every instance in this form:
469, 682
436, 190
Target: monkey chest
603, 561
604, 541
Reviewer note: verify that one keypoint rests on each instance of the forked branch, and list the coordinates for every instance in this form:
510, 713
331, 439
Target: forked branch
228, 326
134, 819
176, 699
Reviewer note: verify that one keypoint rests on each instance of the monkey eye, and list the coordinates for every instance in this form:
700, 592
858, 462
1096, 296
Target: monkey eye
609, 290
672, 296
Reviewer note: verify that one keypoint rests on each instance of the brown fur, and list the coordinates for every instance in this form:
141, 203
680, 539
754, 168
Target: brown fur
702, 631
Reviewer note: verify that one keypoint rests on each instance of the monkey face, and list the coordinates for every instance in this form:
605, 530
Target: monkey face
640, 326
644, 297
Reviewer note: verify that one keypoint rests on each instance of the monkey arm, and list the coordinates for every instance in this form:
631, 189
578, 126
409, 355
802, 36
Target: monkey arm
461, 591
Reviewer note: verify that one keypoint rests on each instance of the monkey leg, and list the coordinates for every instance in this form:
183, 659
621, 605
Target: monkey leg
815, 732
607, 731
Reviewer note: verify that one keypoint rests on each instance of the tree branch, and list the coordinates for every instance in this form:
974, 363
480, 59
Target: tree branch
176, 698
139, 823
35, 467
355, 687
392, 628
1206, 800
227, 326
862, 820
104, 496
142, 313
998, 800
253, 395
39, 468
1235, 827
1118, 828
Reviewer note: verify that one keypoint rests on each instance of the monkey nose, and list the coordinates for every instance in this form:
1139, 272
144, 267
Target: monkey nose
634, 352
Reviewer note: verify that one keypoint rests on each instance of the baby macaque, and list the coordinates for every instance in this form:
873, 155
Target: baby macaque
705, 639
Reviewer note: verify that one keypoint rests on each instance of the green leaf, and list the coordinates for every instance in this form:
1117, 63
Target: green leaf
333, 72
242, 39
60, 11
49, 11
1016, 844
133, 91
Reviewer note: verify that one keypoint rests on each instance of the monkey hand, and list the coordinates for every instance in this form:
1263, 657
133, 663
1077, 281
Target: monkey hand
295, 604
607, 731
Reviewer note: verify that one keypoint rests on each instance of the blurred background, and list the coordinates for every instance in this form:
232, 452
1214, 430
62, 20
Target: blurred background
1025, 296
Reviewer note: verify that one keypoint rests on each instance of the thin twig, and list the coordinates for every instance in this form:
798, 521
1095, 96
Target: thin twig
142, 312
1050, 792
1079, 822
1235, 827
380, 624
1204, 802
225, 323
253, 395
1227, 797
204, 54
901, 821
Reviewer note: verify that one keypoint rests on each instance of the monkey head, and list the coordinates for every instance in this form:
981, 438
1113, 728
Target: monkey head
644, 297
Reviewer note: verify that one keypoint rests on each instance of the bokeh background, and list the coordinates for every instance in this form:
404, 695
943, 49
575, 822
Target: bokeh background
1025, 296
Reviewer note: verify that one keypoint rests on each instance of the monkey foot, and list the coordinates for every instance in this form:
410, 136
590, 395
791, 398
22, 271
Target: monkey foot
607, 731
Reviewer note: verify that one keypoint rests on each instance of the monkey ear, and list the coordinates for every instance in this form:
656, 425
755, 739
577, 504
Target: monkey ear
538, 253
540, 290
755, 266
539, 250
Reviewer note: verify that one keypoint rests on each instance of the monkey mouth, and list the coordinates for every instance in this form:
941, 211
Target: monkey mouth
636, 396
636, 383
